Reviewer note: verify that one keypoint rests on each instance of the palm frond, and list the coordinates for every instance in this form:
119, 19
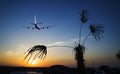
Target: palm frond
32, 54
84, 16
96, 31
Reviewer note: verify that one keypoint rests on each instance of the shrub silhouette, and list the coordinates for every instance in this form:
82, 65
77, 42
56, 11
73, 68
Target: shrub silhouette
118, 55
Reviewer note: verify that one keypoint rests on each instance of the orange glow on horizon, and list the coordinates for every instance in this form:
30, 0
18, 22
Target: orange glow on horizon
17, 60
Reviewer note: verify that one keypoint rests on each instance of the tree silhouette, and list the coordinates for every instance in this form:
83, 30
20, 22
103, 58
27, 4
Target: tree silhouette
118, 55
96, 31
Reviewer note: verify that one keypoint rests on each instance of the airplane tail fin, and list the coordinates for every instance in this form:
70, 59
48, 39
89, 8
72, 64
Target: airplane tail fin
35, 21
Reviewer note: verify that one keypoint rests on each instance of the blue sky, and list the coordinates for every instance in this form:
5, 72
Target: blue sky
64, 14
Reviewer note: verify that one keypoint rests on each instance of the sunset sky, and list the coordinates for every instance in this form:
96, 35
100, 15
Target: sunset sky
15, 38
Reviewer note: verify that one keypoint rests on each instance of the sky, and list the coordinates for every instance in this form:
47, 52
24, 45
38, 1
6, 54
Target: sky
15, 38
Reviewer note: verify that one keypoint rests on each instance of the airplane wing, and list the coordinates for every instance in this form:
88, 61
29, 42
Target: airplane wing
46, 27
49, 26
37, 23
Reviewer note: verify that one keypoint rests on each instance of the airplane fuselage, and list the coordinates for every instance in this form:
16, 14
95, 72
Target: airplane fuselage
36, 26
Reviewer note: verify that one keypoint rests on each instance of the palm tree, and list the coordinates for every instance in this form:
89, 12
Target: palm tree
80, 49
95, 31
118, 55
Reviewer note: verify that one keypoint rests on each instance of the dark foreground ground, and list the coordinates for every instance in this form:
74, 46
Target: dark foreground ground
58, 69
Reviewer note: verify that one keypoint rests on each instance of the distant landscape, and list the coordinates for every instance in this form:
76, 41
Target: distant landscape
57, 69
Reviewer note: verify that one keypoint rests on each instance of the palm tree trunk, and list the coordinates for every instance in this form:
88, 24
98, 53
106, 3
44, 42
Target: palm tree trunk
79, 56
81, 66
80, 33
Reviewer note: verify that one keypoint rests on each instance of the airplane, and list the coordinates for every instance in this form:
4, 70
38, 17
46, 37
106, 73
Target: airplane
36, 25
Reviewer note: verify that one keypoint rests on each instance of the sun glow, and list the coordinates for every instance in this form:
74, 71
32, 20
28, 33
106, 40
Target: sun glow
34, 62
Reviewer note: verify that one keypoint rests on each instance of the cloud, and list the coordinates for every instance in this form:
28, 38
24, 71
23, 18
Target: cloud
21, 46
9, 53
63, 43
59, 43
70, 42
56, 43
14, 51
